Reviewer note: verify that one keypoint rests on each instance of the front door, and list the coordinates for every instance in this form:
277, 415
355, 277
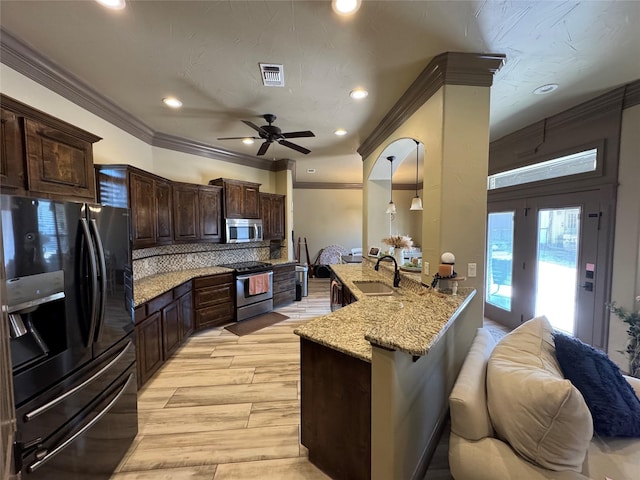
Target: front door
542, 259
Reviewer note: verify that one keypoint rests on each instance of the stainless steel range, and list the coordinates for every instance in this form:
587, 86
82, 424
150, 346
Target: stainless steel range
254, 288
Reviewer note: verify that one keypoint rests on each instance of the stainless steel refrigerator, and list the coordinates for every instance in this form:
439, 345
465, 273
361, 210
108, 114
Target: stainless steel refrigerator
70, 312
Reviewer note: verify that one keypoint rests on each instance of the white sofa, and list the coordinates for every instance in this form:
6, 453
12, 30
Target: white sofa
476, 452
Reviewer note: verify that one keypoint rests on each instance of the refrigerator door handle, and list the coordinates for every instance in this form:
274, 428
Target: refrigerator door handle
93, 279
47, 406
50, 454
102, 265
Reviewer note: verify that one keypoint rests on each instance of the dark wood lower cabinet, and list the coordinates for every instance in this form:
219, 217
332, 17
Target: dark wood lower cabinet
336, 411
284, 284
213, 300
162, 324
149, 347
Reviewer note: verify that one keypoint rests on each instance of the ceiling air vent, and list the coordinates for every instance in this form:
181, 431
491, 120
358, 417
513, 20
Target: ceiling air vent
272, 75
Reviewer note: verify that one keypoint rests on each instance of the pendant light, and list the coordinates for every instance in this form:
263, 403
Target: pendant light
416, 202
391, 208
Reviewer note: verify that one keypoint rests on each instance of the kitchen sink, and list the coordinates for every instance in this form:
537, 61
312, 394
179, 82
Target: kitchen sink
371, 287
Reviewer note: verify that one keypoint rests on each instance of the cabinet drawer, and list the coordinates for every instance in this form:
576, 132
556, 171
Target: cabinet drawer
205, 297
284, 285
159, 302
213, 280
182, 289
214, 315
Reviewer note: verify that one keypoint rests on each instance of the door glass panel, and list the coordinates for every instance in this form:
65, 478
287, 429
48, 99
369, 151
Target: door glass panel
557, 266
499, 259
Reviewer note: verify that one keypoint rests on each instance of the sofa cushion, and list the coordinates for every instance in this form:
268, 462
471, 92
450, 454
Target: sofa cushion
614, 406
537, 411
468, 399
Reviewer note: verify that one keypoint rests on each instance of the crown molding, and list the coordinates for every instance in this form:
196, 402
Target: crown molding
632, 94
25, 60
450, 68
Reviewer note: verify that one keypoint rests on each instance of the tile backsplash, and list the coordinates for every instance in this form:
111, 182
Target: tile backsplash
171, 258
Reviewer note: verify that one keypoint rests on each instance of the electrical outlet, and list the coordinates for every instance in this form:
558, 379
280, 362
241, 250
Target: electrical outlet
471, 269
425, 268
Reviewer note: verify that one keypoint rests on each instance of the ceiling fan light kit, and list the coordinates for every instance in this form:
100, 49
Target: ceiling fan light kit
270, 133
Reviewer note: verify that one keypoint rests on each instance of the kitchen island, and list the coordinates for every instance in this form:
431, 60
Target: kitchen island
376, 375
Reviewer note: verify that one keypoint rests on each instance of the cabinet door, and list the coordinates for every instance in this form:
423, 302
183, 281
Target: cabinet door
149, 347
186, 314
185, 212
164, 214
277, 217
265, 214
11, 152
142, 210
210, 199
251, 201
171, 329
234, 200
58, 163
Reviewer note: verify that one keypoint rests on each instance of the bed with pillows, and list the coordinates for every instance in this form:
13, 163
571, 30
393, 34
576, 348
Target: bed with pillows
539, 404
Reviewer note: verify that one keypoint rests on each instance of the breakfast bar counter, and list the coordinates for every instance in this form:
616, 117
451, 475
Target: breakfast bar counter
411, 320
375, 374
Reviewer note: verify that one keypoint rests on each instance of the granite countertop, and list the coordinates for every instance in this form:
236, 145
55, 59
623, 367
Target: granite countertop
411, 320
150, 287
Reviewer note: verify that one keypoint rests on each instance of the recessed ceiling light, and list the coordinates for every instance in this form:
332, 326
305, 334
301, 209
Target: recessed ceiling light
311, 170
172, 102
340, 132
345, 7
358, 93
247, 141
544, 89
112, 4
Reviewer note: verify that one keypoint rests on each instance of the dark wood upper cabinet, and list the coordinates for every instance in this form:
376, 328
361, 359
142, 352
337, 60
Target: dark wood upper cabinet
164, 215
143, 210
240, 199
272, 214
12, 166
185, 212
210, 200
148, 196
44, 156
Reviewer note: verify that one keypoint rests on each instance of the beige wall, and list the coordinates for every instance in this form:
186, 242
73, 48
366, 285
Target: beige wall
626, 257
117, 146
327, 217
454, 127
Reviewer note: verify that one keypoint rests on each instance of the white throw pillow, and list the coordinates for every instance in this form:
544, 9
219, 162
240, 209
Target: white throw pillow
538, 412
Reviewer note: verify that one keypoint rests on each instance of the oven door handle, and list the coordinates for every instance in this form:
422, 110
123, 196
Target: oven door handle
246, 277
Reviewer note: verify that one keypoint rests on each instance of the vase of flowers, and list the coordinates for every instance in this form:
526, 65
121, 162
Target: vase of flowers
633, 347
398, 242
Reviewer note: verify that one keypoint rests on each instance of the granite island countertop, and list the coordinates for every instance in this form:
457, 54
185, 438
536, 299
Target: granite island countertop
411, 320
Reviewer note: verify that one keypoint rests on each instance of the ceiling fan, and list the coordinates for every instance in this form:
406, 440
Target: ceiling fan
270, 133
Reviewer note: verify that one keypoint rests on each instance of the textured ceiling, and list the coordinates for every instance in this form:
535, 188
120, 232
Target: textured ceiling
207, 54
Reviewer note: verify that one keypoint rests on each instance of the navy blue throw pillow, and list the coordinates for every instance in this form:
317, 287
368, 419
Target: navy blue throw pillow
613, 403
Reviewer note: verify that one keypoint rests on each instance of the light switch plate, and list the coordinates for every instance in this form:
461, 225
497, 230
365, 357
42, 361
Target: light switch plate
471, 269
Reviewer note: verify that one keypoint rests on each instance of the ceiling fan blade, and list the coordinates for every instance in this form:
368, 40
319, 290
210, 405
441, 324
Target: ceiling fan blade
254, 126
294, 146
263, 148
305, 133
238, 138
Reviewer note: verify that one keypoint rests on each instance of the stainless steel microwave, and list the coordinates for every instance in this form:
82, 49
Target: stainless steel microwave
240, 230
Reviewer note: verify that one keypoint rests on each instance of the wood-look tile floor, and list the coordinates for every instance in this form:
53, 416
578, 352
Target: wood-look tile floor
228, 408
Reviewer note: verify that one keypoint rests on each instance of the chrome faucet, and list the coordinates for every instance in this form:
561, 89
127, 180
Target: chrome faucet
396, 273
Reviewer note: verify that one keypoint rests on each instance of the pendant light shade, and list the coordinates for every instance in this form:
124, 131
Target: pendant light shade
391, 208
416, 202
